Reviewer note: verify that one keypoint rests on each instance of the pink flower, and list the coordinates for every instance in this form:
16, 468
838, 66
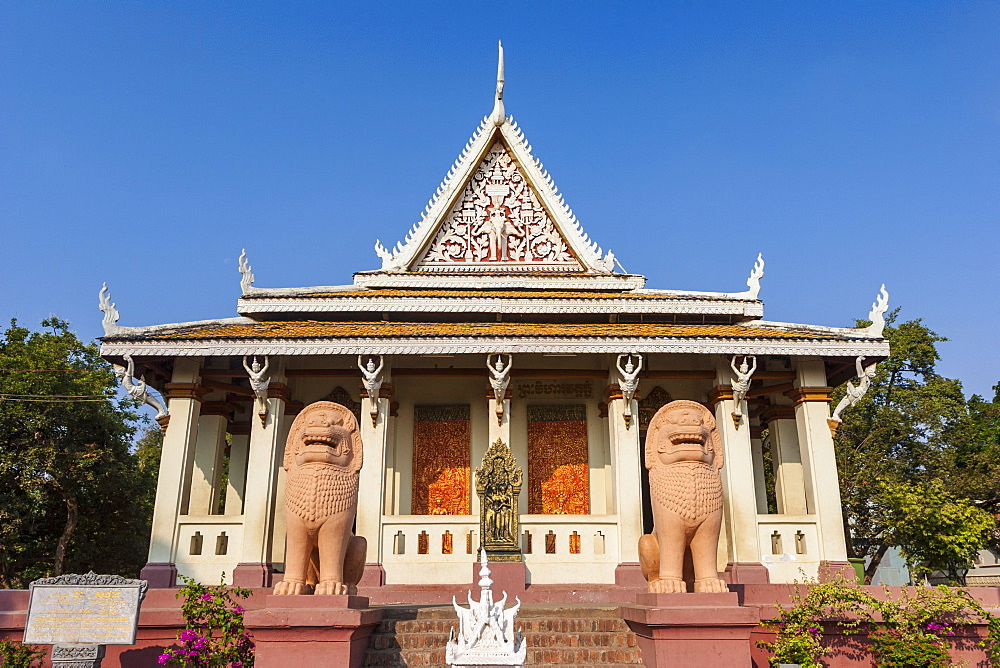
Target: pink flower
163, 658
239, 609
206, 597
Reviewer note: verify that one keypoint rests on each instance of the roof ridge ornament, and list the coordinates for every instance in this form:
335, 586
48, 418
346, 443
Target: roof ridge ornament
499, 116
246, 282
877, 314
756, 274
111, 315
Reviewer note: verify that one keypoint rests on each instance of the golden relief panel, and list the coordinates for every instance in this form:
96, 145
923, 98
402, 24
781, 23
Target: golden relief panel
558, 466
441, 460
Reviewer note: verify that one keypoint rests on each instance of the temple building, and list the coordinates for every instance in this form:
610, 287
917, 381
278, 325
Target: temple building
496, 317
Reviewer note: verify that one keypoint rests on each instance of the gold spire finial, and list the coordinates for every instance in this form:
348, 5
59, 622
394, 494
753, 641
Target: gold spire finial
498, 116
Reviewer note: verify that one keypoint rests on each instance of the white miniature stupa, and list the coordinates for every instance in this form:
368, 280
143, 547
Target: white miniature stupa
486, 635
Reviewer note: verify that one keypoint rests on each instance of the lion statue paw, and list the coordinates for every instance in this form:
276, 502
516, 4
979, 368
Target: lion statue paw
331, 588
667, 586
292, 588
711, 585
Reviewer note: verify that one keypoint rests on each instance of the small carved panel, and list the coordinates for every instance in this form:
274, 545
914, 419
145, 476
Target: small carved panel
649, 404
341, 396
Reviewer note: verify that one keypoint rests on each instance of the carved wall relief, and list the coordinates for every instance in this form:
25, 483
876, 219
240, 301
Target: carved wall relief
558, 464
441, 460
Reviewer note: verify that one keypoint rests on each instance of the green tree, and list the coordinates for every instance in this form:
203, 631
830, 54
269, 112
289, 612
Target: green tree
912, 427
69, 480
935, 529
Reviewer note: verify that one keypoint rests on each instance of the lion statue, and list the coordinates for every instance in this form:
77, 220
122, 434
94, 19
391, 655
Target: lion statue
683, 454
323, 456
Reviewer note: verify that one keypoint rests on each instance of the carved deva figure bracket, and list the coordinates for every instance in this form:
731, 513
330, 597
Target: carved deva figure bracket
683, 454
854, 393
498, 484
259, 382
139, 390
628, 383
499, 379
371, 378
741, 384
323, 456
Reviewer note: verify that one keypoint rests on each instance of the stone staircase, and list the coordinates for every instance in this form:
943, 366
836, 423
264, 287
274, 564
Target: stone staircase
566, 635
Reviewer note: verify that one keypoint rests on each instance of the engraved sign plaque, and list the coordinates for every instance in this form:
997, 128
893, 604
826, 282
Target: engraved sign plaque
84, 609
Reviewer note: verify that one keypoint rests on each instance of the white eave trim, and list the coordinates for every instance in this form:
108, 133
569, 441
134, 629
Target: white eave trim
498, 282
457, 346
850, 332
379, 305
173, 327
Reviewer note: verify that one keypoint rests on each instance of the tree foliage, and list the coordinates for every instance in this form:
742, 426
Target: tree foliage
915, 436
71, 489
936, 530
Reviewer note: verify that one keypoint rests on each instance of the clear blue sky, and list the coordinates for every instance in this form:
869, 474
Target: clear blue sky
146, 143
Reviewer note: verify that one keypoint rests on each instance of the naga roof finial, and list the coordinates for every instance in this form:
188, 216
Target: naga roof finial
499, 116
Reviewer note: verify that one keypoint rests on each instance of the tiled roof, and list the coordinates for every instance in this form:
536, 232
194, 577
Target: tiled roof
322, 330
478, 294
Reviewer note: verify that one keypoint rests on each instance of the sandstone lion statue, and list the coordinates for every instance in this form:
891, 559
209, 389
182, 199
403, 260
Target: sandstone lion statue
323, 456
683, 454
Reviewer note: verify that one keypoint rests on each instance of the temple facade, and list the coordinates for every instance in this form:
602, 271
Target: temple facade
495, 318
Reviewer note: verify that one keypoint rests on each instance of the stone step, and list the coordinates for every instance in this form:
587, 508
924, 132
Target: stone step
565, 634
537, 657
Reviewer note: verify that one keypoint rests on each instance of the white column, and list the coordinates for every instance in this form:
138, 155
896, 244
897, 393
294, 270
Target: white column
625, 462
239, 449
760, 491
371, 483
178, 445
812, 408
789, 481
265, 458
206, 473
738, 493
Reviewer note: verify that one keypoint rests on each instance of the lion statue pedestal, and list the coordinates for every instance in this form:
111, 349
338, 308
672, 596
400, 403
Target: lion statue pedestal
323, 456
683, 454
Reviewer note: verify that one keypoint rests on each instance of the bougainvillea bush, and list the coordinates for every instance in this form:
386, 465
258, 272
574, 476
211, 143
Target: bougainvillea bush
213, 634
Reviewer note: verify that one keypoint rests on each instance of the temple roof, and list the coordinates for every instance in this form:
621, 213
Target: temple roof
497, 262
245, 337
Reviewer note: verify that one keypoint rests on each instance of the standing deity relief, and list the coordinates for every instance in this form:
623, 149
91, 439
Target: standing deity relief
499, 219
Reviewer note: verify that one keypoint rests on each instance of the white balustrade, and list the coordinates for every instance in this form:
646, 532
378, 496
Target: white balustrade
564, 548
208, 546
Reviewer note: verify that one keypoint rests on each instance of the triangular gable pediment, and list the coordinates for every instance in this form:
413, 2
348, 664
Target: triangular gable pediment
497, 211
498, 223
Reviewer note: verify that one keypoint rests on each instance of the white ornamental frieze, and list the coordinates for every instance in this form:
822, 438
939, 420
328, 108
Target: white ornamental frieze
497, 223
